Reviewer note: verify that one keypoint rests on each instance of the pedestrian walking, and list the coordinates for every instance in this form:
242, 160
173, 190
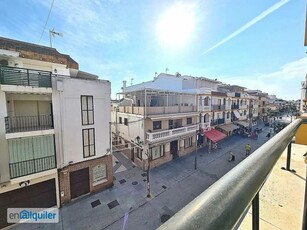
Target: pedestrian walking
268, 135
247, 149
231, 157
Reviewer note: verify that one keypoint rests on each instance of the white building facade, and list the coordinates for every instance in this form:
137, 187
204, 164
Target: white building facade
44, 138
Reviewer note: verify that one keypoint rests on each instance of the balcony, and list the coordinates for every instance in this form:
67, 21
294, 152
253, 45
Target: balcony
156, 136
217, 121
28, 123
157, 110
28, 167
243, 106
234, 106
218, 107
234, 203
24, 77
31, 155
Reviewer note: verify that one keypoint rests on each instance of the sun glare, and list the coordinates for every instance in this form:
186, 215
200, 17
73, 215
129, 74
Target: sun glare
176, 25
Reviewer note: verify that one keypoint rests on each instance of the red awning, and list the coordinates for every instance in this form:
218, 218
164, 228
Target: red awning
215, 135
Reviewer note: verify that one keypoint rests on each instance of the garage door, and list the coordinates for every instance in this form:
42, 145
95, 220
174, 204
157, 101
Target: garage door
41, 195
79, 183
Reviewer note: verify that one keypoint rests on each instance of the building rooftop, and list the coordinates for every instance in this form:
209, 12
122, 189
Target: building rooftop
37, 52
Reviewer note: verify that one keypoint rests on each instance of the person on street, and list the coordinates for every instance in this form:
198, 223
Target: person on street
231, 157
248, 149
268, 135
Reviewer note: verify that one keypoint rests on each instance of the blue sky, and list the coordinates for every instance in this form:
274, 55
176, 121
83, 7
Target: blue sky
120, 39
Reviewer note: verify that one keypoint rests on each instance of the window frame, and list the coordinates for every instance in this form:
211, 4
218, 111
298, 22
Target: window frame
189, 119
87, 110
88, 145
156, 128
161, 149
190, 142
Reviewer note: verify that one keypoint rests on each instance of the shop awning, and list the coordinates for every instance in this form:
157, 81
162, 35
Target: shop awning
229, 127
243, 123
215, 135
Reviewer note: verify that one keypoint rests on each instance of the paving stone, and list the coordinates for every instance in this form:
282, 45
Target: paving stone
113, 204
122, 181
95, 203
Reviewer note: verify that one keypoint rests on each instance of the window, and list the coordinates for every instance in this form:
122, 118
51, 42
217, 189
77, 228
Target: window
189, 120
88, 138
87, 110
206, 101
156, 125
228, 115
157, 151
188, 142
206, 118
170, 124
126, 121
120, 120
177, 123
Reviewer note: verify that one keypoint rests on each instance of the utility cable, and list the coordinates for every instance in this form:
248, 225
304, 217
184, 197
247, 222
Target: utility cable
46, 22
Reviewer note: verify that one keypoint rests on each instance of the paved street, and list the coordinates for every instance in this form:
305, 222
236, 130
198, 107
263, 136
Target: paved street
173, 185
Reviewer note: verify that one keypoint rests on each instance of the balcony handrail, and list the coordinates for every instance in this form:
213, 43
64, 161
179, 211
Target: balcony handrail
223, 204
170, 132
28, 123
28, 167
26, 77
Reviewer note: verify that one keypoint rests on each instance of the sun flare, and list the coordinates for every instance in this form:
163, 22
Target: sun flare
176, 25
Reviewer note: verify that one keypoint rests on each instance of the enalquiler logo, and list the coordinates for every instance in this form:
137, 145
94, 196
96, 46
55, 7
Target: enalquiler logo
32, 215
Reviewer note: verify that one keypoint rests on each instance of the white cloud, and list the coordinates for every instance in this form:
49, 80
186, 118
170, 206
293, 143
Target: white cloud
261, 16
285, 82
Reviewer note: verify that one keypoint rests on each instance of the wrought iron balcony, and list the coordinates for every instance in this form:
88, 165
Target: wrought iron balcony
234, 106
32, 166
28, 123
24, 77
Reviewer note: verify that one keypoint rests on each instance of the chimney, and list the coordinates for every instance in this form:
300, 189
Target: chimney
124, 84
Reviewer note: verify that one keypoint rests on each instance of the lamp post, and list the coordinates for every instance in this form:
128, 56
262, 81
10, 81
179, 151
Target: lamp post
195, 167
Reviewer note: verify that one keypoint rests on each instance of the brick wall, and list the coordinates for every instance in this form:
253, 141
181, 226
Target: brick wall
64, 178
37, 52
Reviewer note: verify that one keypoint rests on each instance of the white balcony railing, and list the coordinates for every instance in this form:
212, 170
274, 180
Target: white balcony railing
243, 107
171, 133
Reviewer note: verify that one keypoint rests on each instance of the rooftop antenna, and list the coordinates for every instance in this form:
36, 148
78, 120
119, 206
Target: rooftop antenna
52, 33
166, 70
156, 74
132, 80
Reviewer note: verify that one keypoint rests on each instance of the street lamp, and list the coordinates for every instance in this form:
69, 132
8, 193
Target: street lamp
195, 167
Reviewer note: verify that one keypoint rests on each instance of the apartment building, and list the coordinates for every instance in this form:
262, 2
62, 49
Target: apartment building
157, 119
53, 117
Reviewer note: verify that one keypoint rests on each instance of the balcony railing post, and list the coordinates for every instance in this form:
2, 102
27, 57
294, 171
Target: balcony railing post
255, 207
28, 77
288, 159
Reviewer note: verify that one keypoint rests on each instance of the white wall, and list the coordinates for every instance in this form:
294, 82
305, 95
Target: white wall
67, 117
4, 156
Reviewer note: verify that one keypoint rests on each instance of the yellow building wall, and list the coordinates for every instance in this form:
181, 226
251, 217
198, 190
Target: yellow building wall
301, 135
